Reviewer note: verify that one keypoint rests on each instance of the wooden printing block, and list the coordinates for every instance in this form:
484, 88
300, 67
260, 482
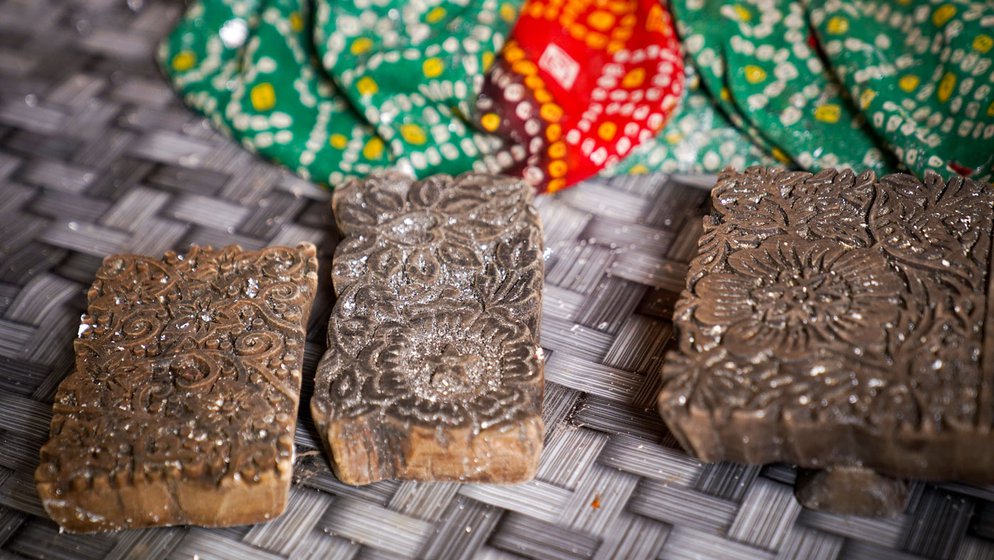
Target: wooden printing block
433, 369
840, 320
183, 402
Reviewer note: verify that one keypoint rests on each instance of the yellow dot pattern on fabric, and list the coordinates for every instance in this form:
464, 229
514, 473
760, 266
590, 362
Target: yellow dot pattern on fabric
638, 169
413, 134
943, 14
435, 15
310, 84
600, 20
828, 113
263, 96
361, 45
774, 70
551, 112
367, 86
525, 67
557, 150
433, 67
929, 66
866, 98
373, 148
558, 168
554, 132
596, 41
742, 12
909, 83
780, 155
296, 22
607, 27
183, 61
338, 141
983, 43
508, 13
946, 86
754, 74
513, 52
607, 130
556, 184
490, 122
634, 78
838, 25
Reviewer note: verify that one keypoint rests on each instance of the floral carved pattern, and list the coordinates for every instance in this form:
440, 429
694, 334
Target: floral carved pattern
439, 286
836, 298
187, 368
433, 369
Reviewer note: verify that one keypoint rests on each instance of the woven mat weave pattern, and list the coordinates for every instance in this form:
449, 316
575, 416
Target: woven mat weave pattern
97, 156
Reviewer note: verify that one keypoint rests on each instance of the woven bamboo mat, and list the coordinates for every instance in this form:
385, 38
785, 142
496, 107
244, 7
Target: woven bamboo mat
97, 156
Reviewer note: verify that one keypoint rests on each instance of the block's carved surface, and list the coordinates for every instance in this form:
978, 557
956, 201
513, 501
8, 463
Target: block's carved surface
183, 403
839, 319
433, 369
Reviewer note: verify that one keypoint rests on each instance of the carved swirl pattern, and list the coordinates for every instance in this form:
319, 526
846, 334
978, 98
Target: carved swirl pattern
439, 286
185, 366
840, 297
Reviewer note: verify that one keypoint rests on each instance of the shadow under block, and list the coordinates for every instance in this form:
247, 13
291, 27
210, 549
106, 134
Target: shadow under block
433, 369
839, 320
183, 402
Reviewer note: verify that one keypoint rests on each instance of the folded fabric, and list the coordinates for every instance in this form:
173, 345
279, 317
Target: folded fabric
286, 77
761, 59
414, 69
922, 74
580, 84
698, 139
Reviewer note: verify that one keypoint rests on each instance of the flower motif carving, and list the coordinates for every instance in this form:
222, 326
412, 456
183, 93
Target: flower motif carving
790, 297
838, 296
182, 365
436, 323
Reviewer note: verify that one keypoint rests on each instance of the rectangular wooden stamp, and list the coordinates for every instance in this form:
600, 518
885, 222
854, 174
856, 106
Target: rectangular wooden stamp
433, 369
840, 320
183, 402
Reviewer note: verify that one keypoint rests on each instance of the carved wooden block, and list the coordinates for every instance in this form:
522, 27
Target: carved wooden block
183, 403
433, 369
836, 319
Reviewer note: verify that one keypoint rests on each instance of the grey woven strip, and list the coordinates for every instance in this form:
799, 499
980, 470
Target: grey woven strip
97, 156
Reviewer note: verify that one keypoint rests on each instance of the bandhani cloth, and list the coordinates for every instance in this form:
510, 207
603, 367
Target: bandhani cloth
698, 139
762, 60
579, 85
341, 89
921, 71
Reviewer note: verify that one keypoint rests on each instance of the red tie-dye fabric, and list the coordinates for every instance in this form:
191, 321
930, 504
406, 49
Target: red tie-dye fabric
579, 84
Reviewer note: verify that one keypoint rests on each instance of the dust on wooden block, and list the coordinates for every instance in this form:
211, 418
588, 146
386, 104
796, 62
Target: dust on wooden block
183, 402
838, 319
433, 369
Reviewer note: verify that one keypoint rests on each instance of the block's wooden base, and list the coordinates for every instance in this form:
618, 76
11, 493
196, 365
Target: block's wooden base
167, 502
371, 448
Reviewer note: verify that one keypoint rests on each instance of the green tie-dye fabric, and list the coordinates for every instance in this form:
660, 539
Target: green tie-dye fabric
343, 89
758, 54
921, 72
339, 89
